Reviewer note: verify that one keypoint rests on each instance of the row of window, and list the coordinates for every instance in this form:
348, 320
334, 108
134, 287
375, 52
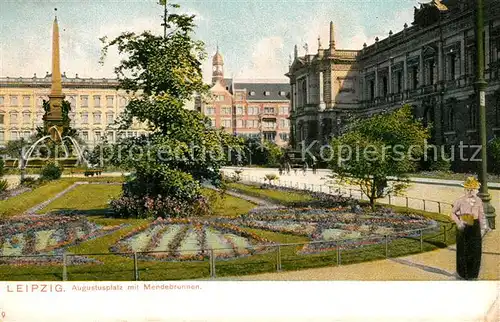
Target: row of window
253, 124
452, 71
250, 110
266, 135
87, 136
472, 117
84, 118
239, 97
84, 100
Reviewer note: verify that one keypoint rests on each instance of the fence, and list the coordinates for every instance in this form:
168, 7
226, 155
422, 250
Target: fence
401, 201
267, 258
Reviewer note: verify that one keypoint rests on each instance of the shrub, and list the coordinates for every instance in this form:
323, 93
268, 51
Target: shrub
271, 177
2, 167
160, 206
4, 185
29, 182
51, 171
494, 154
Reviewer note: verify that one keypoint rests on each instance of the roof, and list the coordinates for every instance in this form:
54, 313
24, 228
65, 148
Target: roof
259, 90
217, 59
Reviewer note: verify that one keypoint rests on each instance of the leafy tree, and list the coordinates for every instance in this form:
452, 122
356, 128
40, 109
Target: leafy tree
375, 148
494, 153
181, 150
13, 149
260, 152
436, 160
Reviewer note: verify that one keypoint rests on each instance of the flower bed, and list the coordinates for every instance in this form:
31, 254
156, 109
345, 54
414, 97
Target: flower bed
189, 239
318, 199
43, 239
334, 227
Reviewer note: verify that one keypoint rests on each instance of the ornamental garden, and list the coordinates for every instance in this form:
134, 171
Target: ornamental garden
74, 216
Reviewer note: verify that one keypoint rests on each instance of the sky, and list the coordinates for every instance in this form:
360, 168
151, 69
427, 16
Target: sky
255, 37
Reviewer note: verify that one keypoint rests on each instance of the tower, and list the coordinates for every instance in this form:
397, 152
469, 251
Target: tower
217, 68
53, 117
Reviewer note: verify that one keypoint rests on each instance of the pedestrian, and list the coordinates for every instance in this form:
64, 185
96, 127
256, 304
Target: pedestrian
468, 214
281, 170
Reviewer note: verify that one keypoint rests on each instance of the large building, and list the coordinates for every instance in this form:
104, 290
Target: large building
248, 108
95, 106
429, 65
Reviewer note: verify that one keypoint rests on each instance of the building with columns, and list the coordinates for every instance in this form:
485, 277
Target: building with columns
325, 88
249, 108
429, 65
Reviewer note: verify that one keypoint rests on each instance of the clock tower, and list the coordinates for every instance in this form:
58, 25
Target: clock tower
217, 68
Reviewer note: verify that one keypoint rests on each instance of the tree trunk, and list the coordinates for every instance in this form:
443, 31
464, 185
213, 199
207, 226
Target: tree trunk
373, 188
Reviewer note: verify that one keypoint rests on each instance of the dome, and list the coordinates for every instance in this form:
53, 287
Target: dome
218, 60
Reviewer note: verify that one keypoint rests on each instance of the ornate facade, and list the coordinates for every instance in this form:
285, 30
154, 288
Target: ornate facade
429, 65
248, 108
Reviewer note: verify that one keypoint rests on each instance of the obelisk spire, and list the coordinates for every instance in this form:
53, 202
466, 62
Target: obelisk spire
56, 64
332, 38
53, 118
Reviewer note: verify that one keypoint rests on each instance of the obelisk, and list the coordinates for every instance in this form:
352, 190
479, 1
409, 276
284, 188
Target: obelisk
53, 117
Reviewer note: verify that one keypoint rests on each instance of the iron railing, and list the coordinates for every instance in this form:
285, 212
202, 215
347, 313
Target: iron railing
62, 264
393, 200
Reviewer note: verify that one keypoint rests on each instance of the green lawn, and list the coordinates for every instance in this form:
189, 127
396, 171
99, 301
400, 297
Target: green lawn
121, 268
19, 204
271, 194
229, 206
85, 198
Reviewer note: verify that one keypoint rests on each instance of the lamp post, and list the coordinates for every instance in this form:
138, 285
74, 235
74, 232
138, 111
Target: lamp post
481, 103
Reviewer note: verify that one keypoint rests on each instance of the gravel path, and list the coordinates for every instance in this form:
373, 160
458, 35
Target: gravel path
42, 205
258, 201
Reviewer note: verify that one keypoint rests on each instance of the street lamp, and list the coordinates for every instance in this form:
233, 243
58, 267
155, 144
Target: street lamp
481, 99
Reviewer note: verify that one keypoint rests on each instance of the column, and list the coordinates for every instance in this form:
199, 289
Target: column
321, 92
462, 61
364, 89
377, 94
441, 66
389, 80
292, 96
307, 89
405, 73
421, 68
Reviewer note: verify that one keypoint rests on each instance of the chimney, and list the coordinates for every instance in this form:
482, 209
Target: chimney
295, 52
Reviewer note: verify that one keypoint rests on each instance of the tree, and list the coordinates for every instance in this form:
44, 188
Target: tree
14, 148
260, 153
494, 152
375, 148
181, 149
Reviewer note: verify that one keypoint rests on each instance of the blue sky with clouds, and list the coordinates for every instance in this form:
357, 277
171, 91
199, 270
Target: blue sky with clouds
255, 37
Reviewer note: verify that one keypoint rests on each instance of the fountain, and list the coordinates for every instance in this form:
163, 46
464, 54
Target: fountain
56, 118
